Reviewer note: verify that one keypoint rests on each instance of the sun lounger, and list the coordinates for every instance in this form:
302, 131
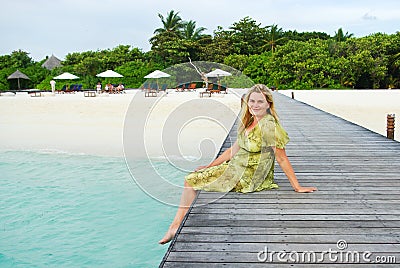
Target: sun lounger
192, 86
62, 90
90, 93
208, 92
35, 94
70, 89
145, 86
164, 87
151, 91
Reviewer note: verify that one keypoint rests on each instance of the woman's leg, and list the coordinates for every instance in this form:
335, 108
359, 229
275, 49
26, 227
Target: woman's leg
188, 195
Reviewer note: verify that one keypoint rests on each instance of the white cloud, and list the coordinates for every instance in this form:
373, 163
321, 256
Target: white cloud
368, 16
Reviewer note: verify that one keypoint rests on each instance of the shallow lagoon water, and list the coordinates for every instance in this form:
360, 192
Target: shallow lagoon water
63, 210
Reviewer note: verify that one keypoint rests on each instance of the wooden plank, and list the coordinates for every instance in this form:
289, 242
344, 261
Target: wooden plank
295, 217
210, 230
294, 223
301, 210
288, 207
295, 238
331, 196
279, 202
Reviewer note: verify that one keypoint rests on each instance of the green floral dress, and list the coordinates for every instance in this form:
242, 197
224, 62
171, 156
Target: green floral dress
252, 167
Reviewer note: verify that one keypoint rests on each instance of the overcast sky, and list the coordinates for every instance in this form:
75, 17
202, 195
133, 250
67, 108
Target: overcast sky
59, 27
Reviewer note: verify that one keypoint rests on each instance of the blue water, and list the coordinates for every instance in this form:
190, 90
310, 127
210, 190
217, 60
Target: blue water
61, 210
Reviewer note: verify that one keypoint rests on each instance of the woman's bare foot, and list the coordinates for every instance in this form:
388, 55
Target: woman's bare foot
168, 236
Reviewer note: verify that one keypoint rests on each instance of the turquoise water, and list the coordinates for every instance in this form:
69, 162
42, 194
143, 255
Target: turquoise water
61, 210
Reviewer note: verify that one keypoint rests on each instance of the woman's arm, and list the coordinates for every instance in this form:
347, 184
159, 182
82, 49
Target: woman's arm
225, 156
286, 166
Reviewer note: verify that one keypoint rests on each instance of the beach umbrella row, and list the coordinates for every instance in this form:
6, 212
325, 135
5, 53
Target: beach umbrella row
215, 73
108, 73
68, 76
111, 73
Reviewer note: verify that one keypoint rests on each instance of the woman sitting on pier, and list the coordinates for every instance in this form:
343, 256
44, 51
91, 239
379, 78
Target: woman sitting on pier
248, 165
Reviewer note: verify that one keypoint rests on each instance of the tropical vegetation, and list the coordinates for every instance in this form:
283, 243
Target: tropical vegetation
266, 54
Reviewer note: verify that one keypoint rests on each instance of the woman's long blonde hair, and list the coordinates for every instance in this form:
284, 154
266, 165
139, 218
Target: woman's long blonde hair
246, 117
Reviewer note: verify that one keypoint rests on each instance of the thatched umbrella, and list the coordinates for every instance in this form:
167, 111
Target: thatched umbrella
18, 75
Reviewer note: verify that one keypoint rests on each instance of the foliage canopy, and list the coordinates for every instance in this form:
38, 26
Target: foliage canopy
266, 54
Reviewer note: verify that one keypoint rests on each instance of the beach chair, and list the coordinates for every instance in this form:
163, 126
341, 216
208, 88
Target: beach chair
145, 86
70, 89
151, 91
35, 93
215, 89
121, 88
208, 91
164, 87
116, 88
89, 93
192, 86
223, 88
62, 90
181, 87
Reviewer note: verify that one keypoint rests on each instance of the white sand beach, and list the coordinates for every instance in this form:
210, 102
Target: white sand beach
73, 123
367, 108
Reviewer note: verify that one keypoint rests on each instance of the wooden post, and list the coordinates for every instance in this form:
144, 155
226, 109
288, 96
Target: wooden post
292, 95
390, 126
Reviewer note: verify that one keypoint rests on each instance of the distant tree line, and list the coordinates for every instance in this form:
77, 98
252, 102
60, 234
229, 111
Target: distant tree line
266, 54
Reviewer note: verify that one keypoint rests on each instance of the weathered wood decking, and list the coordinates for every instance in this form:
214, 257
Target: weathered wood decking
357, 173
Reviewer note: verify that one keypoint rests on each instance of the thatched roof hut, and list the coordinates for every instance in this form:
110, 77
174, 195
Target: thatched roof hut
51, 63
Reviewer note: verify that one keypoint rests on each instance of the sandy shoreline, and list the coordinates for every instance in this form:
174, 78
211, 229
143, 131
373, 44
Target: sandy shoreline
73, 123
367, 108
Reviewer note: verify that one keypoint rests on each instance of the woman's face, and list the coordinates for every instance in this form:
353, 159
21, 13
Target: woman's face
258, 105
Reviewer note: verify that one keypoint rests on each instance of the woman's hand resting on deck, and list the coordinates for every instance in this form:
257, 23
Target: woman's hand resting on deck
305, 189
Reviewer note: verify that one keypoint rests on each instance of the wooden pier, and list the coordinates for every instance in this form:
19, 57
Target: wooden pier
352, 221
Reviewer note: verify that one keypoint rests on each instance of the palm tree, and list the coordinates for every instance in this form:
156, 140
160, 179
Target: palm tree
340, 36
171, 24
189, 31
274, 36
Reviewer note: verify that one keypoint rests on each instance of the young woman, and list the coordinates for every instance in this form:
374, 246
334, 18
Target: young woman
248, 165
